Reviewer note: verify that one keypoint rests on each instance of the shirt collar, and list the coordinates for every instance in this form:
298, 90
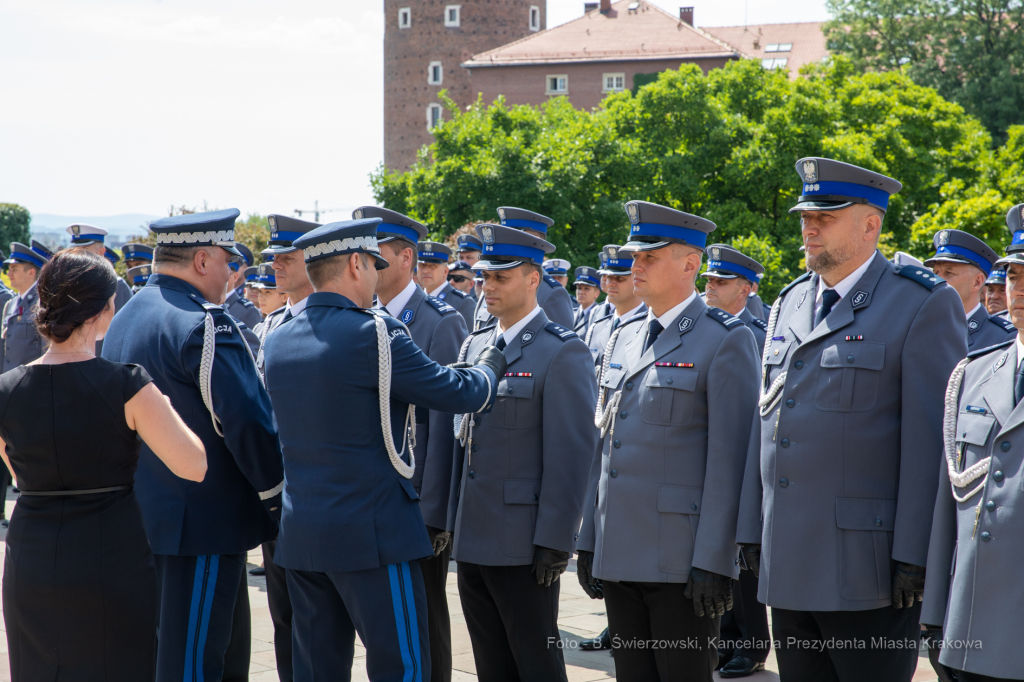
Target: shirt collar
1020, 351
298, 307
666, 319
438, 290
398, 303
973, 310
630, 314
513, 331
848, 283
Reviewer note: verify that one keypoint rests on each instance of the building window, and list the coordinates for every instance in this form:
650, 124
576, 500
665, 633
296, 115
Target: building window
433, 116
776, 63
534, 18
405, 17
435, 73
557, 85
452, 15
614, 82
779, 47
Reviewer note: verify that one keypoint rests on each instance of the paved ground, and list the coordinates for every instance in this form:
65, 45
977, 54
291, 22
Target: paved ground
579, 618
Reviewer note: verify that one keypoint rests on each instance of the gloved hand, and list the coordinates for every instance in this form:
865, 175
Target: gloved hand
711, 592
273, 505
548, 564
438, 538
494, 360
584, 567
907, 585
752, 558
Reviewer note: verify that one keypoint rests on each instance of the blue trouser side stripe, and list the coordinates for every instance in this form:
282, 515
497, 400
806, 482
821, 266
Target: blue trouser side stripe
204, 625
193, 614
410, 602
400, 622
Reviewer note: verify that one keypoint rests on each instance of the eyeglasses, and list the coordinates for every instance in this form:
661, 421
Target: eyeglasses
458, 279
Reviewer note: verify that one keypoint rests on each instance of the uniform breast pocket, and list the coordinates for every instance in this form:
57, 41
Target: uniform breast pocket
972, 432
667, 396
514, 408
777, 352
848, 376
612, 378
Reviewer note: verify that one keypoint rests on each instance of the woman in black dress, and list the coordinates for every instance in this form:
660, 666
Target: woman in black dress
79, 589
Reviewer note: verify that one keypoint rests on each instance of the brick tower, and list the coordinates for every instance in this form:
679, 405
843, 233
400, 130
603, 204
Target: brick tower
425, 41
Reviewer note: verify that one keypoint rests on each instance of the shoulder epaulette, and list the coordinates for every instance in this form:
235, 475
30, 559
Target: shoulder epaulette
723, 318
926, 278
483, 329
246, 302
802, 278
378, 312
458, 294
551, 281
1002, 323
560, 331
989, 349
440, 306
760, 324
211, 307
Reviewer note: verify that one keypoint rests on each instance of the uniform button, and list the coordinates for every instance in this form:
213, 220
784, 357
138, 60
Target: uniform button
693, 507
617, 443
799, 364
1004, 446
997, 476
623, 414
669, 381
472, 474
790, 403
849, 358
615, 473
784, 482
629, 385
785, 442
990, 505
576, 537
878, 521
985, 536
511, 390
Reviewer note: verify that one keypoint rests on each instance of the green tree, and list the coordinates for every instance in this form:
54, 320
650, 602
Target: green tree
970, 51
14, 225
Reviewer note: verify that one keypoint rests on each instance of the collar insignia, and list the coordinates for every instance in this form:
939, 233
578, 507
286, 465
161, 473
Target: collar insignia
972, 325
685, 324
859, 297
407, 316
526, 337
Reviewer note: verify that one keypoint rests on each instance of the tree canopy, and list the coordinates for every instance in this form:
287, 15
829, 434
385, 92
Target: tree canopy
721, 145
14, 225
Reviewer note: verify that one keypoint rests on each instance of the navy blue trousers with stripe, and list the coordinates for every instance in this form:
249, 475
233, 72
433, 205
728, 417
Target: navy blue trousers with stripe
387, 606
197, 600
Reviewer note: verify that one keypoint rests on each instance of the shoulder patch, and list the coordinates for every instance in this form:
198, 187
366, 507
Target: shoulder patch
723, 318
1002, 323
922, 276
551, 281
440, 306
560, 331
760, 324
989, 349
802, 278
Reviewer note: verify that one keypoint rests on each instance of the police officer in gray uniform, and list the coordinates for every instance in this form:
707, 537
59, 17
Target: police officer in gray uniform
730, 274
21, 342
856, 363
432, 266
551, 296
623, 302
659, 539
235, 303
995, 293
965, 262
90, 238
972, 590
139, 275
136, 254
438, 330
588, 289
522, 470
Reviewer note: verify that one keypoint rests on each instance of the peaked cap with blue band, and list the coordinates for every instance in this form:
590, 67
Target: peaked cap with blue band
266, 278
997, 276
613, 263
393, 225
556, 266
522, 219
251, 274
432, 252
1015, 224
341, 238
587, 275
654, 227
111, 255
461, 266
83, 235
140, 274
212, 228
725, 262
957, 246
134, 251
467, 242
25, 254
46, 253
242, 249
284, 230
509, 247
831, 185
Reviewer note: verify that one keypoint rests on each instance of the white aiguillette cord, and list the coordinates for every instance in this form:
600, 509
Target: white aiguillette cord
774, 392
384, 394
959, 479
206, 364
604, 417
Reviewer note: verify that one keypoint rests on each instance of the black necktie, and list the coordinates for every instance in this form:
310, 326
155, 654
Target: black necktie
615, 323
828, 299
1018, 387
653, 329
500, 343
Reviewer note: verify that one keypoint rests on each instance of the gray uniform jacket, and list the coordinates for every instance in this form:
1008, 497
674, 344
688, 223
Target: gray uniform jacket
243, 310
757, 326
984, 330
439, 331
462, 302
757, 307
22, 343
122, 294
551, 296
973, 587
269, 324
600, 332
523, 481
848, 452
5, 296
672, 464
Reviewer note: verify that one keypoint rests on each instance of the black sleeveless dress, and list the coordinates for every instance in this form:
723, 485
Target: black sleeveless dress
79, 589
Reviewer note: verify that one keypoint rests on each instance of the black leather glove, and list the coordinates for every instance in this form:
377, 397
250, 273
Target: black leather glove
438, 538
711, 592
548, 564
907, 585
752, 558
584, 567
493, 359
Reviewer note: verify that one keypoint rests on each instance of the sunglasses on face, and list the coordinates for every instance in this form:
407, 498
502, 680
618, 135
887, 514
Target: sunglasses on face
458, 279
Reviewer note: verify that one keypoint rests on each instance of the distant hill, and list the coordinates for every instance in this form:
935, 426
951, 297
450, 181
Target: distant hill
124, 225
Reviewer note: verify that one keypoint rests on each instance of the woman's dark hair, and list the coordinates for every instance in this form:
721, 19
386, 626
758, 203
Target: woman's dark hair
74, 287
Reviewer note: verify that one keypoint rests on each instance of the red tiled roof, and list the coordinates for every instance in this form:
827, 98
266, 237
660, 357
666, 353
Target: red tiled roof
807, 41
646, 32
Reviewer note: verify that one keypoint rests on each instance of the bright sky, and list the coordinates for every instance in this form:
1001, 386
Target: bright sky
129, 106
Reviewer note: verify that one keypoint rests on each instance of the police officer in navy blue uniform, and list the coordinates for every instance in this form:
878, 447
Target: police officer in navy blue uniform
236, 304
136, 254
965, 262
352, 531
195, 352
434, 278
